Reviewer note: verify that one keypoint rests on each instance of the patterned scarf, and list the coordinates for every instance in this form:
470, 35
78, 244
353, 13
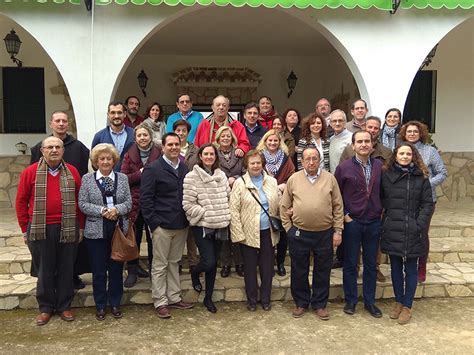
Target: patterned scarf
274, 161
68, 203
406, 168
388, 136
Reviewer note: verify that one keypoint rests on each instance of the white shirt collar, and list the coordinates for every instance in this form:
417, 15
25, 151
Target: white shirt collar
100, 176
170, 163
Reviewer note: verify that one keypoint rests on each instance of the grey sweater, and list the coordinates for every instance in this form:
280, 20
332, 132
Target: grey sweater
91, 203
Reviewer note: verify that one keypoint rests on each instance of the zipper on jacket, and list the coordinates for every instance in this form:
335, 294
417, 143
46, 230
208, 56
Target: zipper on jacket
407, 216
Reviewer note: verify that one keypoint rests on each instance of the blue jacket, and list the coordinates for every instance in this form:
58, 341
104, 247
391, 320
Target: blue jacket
103, 136
194, 120
161, 195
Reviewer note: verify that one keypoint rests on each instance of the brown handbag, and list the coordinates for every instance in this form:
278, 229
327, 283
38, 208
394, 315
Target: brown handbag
124, 247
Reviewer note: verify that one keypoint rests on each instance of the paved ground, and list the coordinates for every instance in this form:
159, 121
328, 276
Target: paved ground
438, 326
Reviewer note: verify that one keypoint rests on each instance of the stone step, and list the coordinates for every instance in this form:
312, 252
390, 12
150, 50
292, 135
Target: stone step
17, 259
443, 280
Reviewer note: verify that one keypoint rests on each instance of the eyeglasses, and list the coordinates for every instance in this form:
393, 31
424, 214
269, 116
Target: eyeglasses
413, 131
184, 101
311, 160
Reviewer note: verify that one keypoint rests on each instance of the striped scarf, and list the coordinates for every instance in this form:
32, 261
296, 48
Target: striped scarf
68, 203
274, 161
388, 137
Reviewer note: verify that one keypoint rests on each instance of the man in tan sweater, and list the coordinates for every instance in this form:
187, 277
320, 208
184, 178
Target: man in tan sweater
312, 213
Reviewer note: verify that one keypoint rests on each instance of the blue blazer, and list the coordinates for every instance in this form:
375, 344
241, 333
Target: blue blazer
103, 136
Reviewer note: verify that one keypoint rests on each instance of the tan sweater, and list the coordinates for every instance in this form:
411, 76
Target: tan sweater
316, 207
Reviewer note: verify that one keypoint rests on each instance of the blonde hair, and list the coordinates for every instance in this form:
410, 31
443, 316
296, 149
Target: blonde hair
261, 146
219, 134
104, 148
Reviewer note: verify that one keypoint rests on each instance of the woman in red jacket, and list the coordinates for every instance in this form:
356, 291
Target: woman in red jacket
280, 166
141, 153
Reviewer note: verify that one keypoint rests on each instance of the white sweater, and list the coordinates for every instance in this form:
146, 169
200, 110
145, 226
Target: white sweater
336, 147
206, 198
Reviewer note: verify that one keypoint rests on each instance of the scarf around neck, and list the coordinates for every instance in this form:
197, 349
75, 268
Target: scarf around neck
388, 136
273, 161
68, 204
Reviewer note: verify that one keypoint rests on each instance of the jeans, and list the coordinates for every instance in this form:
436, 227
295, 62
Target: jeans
301, 247
404, 279
209, 249
367, 234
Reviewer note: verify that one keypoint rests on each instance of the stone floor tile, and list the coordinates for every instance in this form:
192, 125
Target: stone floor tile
235, 294
9, 302
445, 266
458, 291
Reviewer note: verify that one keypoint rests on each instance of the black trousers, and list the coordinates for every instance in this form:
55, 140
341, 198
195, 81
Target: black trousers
230, 254
320, 244
209, 249
139, 224
263, 258
282, 246
55, 286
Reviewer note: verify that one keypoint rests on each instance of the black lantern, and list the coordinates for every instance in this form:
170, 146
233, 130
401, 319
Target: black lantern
142, 81
13, 43
291, 80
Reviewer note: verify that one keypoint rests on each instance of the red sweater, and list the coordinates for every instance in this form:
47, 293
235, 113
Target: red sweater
204, 128
25, 197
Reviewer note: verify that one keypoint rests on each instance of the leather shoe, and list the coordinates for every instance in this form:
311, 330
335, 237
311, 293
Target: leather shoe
197, 286
373, 310
163, 312
239, 269
131, 280
251, 307
43, 318
266, 306
281, 271
78, 284
349, 308
117, 313
298, 312
181, 305
100, 314
68, 316
322, 313
211, 307
225, 272
142, 273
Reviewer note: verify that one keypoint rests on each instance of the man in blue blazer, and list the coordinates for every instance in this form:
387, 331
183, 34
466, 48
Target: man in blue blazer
116, 133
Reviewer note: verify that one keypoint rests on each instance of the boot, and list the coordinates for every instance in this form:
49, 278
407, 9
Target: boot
132, 276
281, 271
141, 272
405, 316
239, 269
397, 309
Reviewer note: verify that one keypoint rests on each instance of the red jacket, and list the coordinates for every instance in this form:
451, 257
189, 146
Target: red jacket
25, 197
204, 128
131, 165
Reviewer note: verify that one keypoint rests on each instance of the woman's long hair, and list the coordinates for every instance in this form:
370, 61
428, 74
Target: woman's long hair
199, 155
261, 146
416, 159
308, 121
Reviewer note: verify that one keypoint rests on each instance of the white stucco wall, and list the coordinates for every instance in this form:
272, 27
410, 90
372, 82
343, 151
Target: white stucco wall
90, 50
454, 62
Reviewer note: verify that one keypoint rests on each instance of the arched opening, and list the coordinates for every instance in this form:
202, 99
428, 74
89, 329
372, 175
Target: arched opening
220, 37
29, 94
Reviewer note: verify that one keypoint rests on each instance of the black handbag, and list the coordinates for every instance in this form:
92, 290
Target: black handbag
275, 222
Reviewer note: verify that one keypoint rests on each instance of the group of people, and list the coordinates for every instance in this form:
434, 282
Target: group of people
237, 192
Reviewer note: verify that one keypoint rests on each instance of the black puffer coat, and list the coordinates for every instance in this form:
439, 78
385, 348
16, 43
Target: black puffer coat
407, 203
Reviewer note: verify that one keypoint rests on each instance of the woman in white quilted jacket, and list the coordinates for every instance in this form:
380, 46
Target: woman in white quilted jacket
250, 226
206, 203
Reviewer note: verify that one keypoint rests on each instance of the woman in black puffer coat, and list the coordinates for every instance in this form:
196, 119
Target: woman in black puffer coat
407, 202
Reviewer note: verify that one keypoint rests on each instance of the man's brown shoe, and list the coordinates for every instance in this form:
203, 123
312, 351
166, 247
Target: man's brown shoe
397, 309
405, 316
67, 315
43, 318
163, 312
322, 313
298, 312
181, 305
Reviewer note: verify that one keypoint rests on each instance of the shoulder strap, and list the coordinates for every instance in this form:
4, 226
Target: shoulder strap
256, 199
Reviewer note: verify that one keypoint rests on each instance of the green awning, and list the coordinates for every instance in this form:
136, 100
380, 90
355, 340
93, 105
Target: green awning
317, 4
302, 4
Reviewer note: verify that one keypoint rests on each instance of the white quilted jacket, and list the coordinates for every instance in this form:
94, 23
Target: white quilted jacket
206, 198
